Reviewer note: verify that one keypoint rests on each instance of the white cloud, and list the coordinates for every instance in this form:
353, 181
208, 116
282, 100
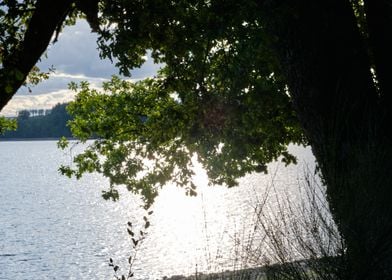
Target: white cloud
42, 101
96, 81
58, 81
83, 77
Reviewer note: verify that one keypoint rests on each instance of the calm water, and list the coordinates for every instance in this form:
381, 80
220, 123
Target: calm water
52, 227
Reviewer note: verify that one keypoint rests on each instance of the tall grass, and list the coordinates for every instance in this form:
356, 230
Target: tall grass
294, 238
300, 239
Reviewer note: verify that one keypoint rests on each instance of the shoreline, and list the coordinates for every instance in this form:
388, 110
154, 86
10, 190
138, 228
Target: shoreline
29, 139
256, 273
264, 272
35, 139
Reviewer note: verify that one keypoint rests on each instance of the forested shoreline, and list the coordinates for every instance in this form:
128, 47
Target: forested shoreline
49, 126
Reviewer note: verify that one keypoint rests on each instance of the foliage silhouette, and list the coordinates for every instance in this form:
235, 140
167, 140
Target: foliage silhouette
327, 61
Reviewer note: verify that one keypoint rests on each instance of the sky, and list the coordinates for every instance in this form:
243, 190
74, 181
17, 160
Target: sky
75, 58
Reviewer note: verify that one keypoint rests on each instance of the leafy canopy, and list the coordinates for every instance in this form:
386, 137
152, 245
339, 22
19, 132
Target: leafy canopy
219, 96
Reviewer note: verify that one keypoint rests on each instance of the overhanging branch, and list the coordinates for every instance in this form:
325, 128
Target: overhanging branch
47, 16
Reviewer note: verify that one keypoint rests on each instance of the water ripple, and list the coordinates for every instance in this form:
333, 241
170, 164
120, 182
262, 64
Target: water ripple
55, 228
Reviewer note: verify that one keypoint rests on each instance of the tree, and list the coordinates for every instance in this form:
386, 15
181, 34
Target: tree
239, 79
24, 115
52, 125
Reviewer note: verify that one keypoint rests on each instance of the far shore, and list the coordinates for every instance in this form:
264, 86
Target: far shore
34, 139
30, 139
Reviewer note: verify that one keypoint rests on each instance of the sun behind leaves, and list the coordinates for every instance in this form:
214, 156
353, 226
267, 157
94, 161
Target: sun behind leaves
146, 135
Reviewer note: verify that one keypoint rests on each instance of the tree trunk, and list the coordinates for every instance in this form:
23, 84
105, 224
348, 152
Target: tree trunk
327, 68
379, 24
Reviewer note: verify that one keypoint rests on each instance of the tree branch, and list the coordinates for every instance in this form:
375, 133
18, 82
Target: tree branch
47, 17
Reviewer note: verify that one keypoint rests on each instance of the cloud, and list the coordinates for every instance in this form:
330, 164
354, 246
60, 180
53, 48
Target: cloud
76, 52
75, 58
42, 101
78, 77
58, 81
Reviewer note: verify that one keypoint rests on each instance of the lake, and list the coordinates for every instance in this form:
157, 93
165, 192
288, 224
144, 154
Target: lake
52, 227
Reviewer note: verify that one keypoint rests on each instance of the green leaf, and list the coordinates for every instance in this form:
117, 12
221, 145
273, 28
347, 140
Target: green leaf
7, 125
219, 96
62, 143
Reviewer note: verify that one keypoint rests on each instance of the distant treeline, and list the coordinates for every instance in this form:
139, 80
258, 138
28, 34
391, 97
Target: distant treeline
49, 125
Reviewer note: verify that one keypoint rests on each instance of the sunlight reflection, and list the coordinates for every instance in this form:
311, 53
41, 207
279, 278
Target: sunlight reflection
61, 222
